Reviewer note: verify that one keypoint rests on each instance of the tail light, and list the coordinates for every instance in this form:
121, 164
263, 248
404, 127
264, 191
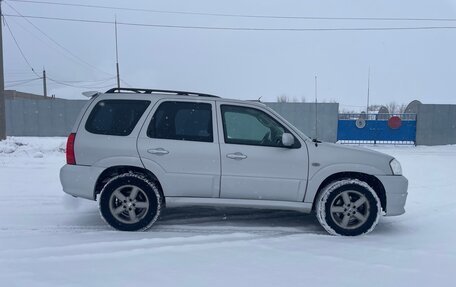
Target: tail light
70, 158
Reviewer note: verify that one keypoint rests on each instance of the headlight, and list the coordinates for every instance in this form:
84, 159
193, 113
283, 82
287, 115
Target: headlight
395, 167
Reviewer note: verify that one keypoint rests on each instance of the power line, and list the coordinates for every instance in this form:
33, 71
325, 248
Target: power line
19, 47
84, 84
22, 83
26, 81
39, 37
235, 28
66, 83
61, 46
233, 15
126, 83
54, 41
17, 69
87, 81
14, 74
23, 80
61, 52
62, 82
78, 86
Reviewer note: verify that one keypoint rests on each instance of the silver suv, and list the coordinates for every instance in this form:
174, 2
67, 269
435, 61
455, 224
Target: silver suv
139, 150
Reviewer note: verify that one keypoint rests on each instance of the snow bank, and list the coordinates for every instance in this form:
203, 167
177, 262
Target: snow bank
37, 147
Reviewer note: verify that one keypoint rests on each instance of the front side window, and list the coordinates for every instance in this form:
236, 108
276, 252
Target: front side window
115, 117
182, 121
249, 126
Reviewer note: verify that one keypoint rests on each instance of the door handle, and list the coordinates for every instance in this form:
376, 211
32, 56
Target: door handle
236, 155
158, 151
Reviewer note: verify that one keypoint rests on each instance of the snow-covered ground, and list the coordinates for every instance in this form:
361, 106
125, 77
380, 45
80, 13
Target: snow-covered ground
50, 239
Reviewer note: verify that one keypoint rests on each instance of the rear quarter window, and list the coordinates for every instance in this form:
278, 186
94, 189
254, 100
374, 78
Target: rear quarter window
115, 117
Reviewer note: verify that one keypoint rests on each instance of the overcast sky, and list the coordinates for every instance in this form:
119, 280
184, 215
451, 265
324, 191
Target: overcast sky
405, 65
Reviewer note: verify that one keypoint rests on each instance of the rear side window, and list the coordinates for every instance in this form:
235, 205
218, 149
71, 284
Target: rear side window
182, 121
115, 117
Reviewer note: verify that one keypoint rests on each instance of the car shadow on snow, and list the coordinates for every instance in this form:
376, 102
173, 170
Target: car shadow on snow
212, 220
203, 220
238, 220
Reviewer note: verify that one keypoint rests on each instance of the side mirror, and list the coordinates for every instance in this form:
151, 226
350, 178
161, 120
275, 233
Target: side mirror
287, 139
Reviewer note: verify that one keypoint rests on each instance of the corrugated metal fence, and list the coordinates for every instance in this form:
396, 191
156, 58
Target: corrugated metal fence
435, 124
27, 117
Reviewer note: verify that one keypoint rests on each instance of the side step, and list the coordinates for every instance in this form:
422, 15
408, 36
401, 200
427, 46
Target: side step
245, 203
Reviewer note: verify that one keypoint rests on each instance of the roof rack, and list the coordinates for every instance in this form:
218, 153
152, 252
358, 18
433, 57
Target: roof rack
151, 91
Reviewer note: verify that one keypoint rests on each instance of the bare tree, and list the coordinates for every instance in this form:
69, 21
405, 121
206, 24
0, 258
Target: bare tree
395, 108
286, 99
283, 99
347, 111
331, 101
373, 108
392, 107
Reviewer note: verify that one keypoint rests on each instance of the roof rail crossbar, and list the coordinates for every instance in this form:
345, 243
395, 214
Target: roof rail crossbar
151, 91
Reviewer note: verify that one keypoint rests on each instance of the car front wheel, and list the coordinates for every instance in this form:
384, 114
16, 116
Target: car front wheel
348, 207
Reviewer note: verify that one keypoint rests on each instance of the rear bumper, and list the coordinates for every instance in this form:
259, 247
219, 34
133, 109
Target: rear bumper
396, 193
79, 180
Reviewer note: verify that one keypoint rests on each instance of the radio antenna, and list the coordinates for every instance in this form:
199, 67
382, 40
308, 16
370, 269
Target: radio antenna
316, 108
117, 53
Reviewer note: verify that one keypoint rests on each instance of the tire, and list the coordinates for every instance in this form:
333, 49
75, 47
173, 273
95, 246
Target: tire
130, 202
348, 207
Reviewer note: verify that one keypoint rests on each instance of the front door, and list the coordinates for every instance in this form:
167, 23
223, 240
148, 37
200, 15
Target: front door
179, 145
255, 164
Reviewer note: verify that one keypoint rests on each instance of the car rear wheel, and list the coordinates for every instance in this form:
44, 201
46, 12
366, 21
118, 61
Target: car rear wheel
348, 207
130, 202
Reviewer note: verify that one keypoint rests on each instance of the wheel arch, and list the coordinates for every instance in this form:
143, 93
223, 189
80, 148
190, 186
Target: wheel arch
112, 171
371, 180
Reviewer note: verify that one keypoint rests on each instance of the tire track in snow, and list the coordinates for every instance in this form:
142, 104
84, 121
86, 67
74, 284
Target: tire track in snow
114, 249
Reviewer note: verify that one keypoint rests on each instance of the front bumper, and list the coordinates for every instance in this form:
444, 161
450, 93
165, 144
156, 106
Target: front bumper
396, 193
80, 180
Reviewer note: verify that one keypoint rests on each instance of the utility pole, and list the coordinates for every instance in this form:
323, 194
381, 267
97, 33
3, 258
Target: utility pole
44, 84
2, 84
117, 55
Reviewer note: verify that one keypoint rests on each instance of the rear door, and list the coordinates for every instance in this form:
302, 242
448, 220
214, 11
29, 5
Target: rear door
255, 164
179, 144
